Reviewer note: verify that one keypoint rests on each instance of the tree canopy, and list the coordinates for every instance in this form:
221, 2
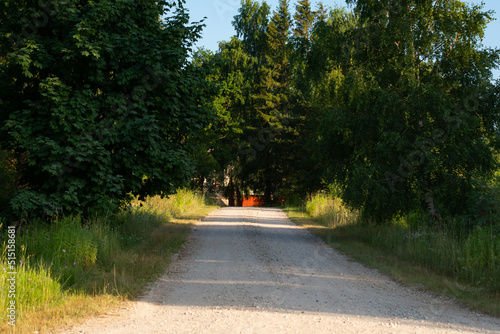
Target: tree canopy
392, 102
99, 101
415, 123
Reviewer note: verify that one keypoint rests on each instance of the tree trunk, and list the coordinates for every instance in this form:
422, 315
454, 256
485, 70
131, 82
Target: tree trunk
429, 201
231, 192
239, 199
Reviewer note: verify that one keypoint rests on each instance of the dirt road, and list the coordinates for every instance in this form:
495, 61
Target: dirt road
250, 270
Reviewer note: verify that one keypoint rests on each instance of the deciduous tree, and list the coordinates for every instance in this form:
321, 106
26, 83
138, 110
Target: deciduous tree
414, 121
98, 101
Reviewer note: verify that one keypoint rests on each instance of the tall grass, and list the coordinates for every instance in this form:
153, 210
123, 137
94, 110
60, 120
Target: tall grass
466, 257
70, 247
180, 203
61, 264
35, 287
330, 211
471, 257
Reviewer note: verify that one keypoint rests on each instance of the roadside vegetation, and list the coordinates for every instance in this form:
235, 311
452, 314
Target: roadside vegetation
75, 267
107, 102
99, 115
458, 262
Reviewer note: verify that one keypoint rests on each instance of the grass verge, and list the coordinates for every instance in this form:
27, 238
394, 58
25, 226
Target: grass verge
392, 252
73, 269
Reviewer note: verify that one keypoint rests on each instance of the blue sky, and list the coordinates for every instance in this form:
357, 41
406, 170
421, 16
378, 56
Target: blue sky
220, 13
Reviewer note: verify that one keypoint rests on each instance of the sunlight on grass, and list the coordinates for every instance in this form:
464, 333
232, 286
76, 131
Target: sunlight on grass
463, 265
73, 268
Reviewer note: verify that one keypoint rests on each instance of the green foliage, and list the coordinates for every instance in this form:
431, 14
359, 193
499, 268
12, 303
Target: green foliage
218, 145
7, 181
101, 102
251, 25
413, 112
208, 153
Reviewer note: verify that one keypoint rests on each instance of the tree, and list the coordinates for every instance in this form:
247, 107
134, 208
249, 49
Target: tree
267, 131
414, 121
208, 170
304, 21
304, 18
316, 95
251, 26
99, 101
232, 71
270, 154
321, 14
278, 57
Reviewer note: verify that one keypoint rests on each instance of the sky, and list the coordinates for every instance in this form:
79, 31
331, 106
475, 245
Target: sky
219, 15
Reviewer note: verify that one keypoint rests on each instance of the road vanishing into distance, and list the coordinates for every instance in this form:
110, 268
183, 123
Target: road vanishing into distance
251, 270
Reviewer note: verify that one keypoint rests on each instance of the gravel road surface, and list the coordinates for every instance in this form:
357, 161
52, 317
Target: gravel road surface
251, 270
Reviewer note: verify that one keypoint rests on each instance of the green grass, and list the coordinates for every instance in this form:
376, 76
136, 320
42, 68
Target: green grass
72, 268
464, 266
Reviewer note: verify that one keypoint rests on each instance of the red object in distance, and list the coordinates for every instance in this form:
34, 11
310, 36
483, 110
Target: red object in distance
253, 201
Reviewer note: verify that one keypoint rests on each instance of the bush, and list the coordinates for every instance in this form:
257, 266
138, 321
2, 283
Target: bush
90, 138
173, 205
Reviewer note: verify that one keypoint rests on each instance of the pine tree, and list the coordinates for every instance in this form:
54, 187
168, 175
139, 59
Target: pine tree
275, 156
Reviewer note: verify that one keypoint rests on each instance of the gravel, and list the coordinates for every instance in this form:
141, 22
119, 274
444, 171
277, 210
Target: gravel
251, 270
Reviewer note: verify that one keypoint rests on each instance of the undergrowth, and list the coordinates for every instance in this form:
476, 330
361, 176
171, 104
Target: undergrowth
65, 267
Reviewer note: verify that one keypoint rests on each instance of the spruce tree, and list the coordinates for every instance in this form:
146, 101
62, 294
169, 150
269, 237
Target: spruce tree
278, 58
321, 13
304, 22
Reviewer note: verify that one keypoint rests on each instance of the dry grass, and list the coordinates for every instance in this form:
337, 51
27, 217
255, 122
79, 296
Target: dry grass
66, 313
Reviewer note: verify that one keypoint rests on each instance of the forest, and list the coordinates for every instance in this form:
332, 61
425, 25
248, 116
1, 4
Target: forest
391, 104
387, 107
